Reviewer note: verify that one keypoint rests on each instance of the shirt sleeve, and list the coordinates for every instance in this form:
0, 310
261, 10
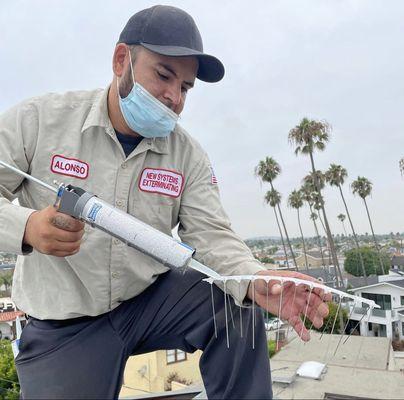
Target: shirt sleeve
204, 225
18, 132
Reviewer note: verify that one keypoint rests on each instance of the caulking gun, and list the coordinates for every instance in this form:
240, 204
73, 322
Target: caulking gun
87, 207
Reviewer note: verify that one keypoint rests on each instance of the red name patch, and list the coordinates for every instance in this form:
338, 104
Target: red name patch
157, 180
69, 166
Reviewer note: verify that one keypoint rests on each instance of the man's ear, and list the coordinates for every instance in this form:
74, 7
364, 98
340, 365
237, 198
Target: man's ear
120, 59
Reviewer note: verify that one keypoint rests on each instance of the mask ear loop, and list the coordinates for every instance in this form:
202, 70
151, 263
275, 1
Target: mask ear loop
133, 76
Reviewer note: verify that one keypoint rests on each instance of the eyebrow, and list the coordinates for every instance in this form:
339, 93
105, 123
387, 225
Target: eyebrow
169, 69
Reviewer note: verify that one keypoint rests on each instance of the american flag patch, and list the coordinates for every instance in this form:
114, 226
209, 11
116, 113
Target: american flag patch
213, 179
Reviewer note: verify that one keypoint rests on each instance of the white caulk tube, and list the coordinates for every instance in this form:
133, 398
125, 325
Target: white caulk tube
136, 233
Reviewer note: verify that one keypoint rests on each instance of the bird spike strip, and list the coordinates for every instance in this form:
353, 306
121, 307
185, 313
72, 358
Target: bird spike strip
281, 280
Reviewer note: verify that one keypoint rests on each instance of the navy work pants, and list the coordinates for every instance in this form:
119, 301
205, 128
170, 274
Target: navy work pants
85, 357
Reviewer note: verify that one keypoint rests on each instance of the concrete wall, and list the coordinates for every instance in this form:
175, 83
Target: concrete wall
154, 371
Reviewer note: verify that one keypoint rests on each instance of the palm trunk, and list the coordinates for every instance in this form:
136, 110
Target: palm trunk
280, 232
286, 232
330, 240
304, 244
318, 237
328, 245
374, 238
354, 234
343, 227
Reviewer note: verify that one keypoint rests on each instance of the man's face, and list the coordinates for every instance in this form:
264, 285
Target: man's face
166, 78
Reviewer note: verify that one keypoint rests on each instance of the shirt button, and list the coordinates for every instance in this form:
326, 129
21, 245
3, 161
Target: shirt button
115, 274
117, 241
124, 165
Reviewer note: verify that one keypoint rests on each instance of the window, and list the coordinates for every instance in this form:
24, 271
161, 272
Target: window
383, 300
173, 356
402, 300
402, 327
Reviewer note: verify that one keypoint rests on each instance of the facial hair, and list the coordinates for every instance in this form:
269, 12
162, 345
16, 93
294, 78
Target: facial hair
125, 83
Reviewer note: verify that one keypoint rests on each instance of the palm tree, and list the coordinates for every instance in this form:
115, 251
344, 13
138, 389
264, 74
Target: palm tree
295, 201
401, 165
307, 196
273, 198
309, 181
268, 170
308, 136
342, 217
363, 188
336, 176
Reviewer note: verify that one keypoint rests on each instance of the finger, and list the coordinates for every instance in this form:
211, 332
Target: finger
315, 318
323, 293
276, 286
66, 222
316, 304
61, 235
297, 325
62, 247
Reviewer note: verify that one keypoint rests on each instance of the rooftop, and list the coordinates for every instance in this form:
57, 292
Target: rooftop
361, 368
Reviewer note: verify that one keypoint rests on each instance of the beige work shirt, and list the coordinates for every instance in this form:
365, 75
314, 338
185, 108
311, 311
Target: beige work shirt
163, 182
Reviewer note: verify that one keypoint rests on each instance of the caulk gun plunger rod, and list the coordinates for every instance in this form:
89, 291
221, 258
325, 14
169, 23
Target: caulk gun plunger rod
31, 178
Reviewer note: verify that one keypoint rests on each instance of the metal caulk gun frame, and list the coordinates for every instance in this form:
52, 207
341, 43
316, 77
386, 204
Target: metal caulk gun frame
87, 207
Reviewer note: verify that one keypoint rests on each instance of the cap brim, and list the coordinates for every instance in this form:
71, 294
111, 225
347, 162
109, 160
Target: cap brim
210, 68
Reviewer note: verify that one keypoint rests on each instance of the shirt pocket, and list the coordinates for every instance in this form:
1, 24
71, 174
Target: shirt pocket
161, 217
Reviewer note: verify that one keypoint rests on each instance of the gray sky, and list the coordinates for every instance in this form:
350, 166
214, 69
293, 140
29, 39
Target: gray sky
340, 60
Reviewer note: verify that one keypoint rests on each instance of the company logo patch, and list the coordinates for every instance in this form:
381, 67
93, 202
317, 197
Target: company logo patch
69, 166
162, 181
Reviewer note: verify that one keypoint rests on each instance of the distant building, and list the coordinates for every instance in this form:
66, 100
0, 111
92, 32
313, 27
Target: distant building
397, 263
314, 259
8, 317
149, 372
325, 275
388, 321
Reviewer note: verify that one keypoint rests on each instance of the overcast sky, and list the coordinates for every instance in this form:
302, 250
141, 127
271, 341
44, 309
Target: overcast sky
341, 60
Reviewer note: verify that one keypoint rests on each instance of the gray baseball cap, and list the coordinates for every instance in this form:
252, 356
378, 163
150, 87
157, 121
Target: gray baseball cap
171, 31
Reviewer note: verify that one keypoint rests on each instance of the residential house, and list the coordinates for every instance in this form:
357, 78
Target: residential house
397, 263
388, 320
150, 372
314, 259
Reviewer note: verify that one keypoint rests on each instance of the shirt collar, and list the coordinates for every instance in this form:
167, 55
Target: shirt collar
98, 116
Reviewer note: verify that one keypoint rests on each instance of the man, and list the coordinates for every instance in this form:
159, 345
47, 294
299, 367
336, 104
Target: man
93, 301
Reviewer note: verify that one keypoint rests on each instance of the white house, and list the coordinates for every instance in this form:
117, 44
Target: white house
388, 320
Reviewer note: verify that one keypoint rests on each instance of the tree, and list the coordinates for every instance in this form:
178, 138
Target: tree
309, 182
268, 170
329, 320
6, 279
370, 258
9, 386
336, 176
273, 198
342, 217
401, 165
307, 196
308, 136
363, 188
295, 201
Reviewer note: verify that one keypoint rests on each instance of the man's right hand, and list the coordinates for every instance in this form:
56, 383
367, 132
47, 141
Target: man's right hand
51, 232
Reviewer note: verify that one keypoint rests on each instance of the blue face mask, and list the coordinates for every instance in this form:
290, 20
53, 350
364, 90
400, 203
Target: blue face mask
144, 114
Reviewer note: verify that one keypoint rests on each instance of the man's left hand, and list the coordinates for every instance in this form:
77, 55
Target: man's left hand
296, 300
